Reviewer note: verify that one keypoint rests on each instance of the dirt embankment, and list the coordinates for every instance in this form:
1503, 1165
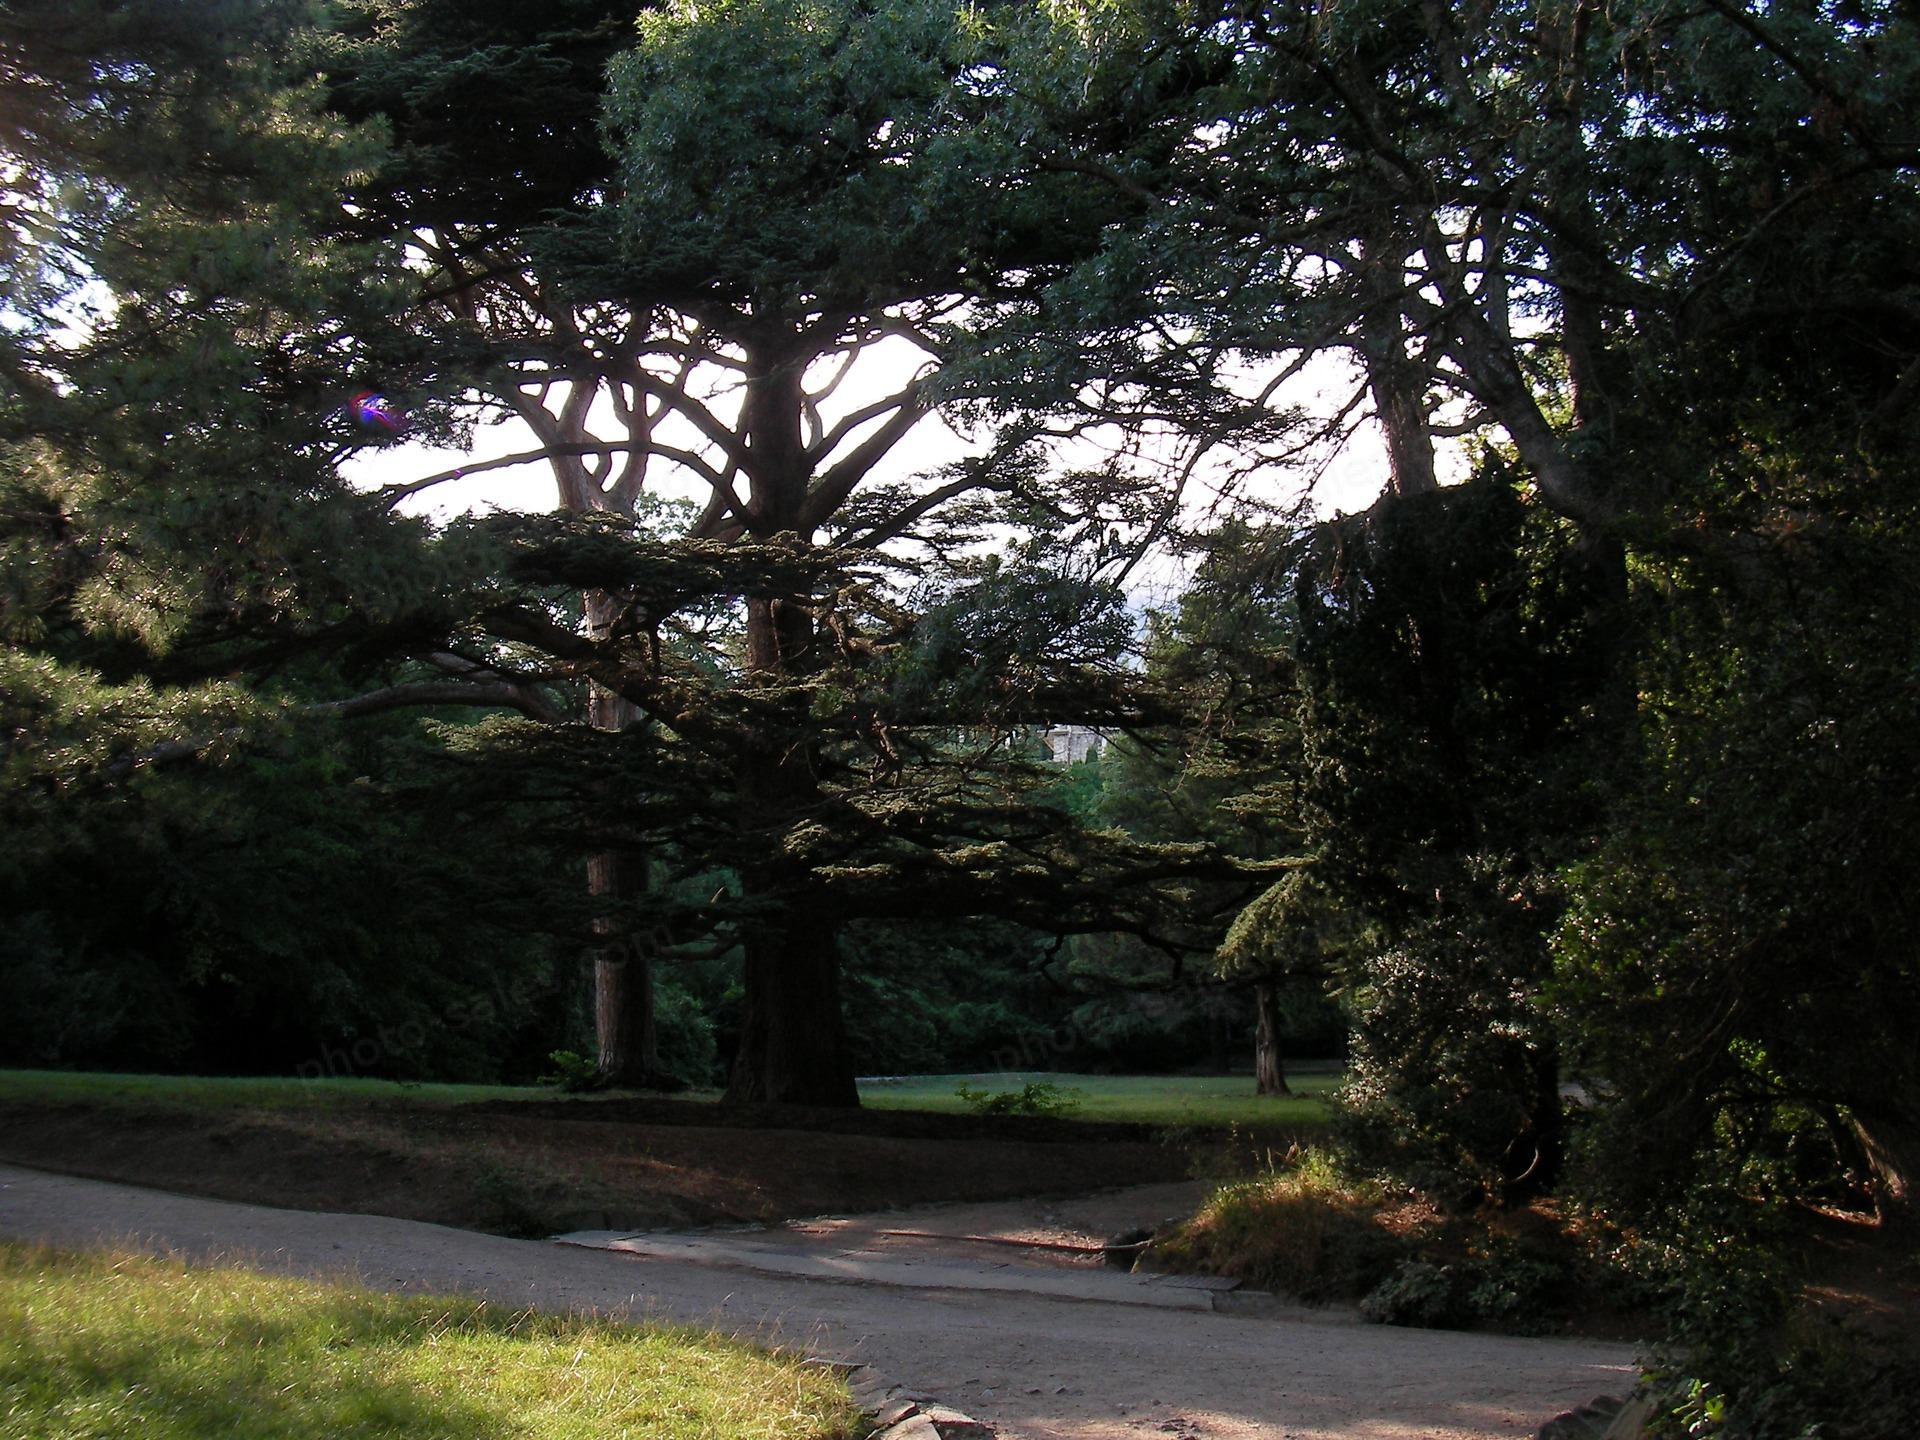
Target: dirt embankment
533, 1167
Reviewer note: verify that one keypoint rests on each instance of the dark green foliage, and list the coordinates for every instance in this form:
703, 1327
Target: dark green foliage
1756, 1004
688, 1049
1501, 1285
948, 996
121, 1008
1446, 691
292, 912
573, 1073
1741, 1353
1036, 1097
168, 511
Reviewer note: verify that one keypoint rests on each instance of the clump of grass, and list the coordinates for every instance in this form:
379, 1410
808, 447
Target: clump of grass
105, 1346
1302, 1228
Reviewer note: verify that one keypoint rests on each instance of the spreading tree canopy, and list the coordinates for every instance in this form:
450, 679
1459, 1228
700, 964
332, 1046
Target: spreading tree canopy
773, 694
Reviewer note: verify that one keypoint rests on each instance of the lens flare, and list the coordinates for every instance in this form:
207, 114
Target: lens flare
372, 409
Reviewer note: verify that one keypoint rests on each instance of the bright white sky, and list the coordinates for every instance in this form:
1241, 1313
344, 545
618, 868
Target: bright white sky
1350, 481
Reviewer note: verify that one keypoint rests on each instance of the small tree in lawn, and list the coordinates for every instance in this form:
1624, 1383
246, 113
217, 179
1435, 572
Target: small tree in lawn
1291, 941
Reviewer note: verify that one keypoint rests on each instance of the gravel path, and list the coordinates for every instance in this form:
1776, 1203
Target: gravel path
1038, 1368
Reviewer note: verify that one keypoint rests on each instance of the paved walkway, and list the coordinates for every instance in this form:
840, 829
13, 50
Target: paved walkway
1041, 1367
769, 1252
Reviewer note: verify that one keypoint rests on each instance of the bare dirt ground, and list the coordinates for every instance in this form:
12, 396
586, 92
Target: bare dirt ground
1040, 1368
536, 1167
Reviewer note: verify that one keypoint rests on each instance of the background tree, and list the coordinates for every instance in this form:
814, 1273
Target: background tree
1659, 260
173, 397
497, 166
1574, 231
1232, 775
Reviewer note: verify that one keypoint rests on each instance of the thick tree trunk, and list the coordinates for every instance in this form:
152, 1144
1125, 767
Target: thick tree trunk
793, 1039
628, 1050
1269, 1073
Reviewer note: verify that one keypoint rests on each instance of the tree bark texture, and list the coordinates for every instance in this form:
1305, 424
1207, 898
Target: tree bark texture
793, 1038
1269, 1073
1397, 380
627, 1046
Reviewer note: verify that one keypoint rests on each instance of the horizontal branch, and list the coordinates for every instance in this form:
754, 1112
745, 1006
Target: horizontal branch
491, 695
421, 694
393, 494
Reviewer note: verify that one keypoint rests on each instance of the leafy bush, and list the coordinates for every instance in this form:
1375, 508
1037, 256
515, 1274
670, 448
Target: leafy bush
683, 1034
1519, 1292
67, 1004
1504, 1287
1452, 1063
1820, 1379
1744, 1354
1418, 1292
1036, 1097
573, 1073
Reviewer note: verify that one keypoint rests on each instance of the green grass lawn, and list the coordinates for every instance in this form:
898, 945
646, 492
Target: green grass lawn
1209, 1100
106, 1346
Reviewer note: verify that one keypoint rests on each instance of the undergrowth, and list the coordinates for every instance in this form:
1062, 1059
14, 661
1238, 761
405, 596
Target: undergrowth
1308, 1229
1036, 1097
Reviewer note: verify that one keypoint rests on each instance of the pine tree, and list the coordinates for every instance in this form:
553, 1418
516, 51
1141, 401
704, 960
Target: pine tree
781, 190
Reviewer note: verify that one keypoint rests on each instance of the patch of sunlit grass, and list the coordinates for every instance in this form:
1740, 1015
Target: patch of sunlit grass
105, 1346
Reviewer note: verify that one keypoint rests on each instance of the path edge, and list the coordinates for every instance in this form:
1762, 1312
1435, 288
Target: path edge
895, 1413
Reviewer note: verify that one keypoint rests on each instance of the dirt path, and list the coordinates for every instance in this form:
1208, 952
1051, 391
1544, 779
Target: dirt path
1039, 1368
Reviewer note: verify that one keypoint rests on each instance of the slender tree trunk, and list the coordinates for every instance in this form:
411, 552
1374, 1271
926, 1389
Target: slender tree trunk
628, 1050
1269, 1074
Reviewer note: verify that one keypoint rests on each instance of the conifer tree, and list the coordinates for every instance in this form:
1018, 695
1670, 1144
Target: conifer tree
781, 190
